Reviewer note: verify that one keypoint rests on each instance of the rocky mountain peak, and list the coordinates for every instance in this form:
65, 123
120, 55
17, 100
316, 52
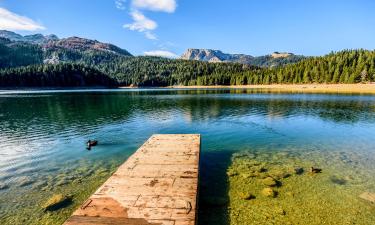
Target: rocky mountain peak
281, 54
33, 39
211, 55
272, 60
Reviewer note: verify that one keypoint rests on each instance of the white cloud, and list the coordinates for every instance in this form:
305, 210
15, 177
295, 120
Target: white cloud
161, 53
150, 35
156, 5
141, 22
120, 4
12, 21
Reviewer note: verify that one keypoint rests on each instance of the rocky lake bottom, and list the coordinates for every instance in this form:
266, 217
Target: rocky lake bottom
257, 152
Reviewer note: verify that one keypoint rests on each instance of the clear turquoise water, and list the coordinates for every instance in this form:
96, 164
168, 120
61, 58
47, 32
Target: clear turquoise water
43, 134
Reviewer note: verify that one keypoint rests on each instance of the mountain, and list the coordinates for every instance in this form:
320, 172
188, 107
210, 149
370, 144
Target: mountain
32, 39
10, 35
52, 42
82, 44
17, 50
209, 55
27, 62
14, 54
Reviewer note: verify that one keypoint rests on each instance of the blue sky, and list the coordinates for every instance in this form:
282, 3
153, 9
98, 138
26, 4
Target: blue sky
169, 27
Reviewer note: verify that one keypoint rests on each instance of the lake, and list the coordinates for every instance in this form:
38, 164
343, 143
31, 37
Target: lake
247, 135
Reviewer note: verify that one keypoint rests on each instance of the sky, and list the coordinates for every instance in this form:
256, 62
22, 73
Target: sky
169, 27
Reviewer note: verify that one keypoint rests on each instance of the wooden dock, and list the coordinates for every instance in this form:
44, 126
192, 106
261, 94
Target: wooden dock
157, 185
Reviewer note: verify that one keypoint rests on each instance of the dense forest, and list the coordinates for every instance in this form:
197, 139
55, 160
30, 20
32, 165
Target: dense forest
13, 54
348, 66
75, 63
61, 75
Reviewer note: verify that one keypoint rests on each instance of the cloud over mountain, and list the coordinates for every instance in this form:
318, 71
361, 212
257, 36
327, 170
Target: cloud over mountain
161, 53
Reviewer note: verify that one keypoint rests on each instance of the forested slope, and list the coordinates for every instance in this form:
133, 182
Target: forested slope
82, 62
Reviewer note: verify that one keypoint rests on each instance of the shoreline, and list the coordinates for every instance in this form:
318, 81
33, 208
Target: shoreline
307, 88
368, 88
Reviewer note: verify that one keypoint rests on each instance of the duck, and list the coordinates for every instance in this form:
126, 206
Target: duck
91, 143
315, 170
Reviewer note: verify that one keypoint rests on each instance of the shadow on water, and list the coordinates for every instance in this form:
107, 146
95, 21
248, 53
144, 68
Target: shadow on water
213, 188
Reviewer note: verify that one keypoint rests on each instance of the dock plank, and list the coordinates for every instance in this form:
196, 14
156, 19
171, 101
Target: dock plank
158, 184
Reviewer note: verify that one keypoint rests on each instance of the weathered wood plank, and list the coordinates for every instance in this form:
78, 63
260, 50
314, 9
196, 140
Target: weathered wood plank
158, 184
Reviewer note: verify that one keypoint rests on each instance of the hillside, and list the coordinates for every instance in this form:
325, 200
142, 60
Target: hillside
273, 60
347, 66
17, 50
14, 54
83, 45
57, 61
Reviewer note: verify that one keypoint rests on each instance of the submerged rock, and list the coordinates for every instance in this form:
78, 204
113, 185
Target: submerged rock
232, 173
261, 169
246, 195
4, 186
25, 181
56, 202
338, 180
102, 172
368, 196
298, 170
40, 184
62, 182
248, 175
260, 175
269, 181
269, 192
280, 174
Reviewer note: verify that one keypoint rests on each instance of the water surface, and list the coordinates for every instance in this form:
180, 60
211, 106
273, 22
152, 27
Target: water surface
43, 134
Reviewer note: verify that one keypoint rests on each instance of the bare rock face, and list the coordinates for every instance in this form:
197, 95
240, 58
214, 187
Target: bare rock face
272, 60
53, 60
32, 39
276, 55
210, 55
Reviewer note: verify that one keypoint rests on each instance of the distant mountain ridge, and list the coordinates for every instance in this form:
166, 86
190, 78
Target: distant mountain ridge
209, 55
40, 61
18, 50
32, 39
82, 44
48, 42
